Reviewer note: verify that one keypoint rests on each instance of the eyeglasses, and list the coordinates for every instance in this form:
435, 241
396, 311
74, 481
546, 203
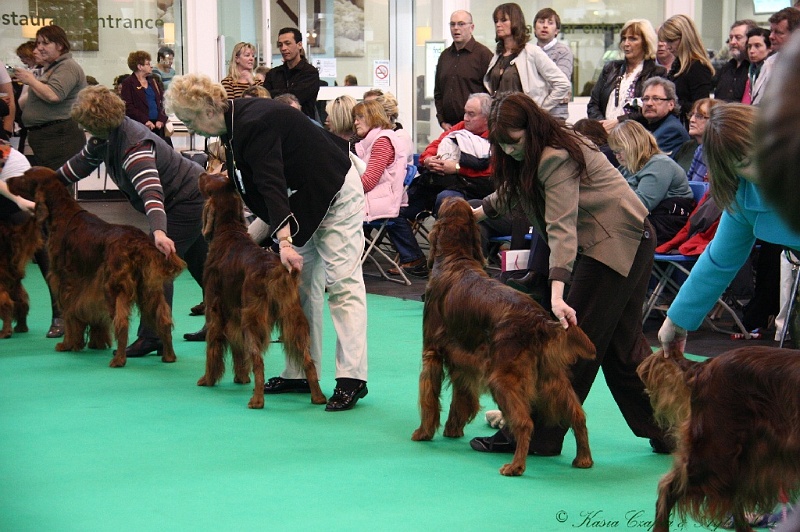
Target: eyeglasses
698, 116
459, 24
655, 99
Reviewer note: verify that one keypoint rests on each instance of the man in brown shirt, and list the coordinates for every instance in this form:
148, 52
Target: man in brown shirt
460, 71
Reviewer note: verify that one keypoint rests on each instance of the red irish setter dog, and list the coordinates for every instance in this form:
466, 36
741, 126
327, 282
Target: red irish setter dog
736, 420
98, 270
247, 293
17, 245
487, 335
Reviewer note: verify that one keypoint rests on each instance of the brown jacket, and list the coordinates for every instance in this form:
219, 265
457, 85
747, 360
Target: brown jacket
597, 215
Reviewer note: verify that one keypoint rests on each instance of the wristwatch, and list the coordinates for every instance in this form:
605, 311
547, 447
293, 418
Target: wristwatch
283, 239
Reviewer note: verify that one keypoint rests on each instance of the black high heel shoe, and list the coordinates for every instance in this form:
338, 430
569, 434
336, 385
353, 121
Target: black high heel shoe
143, 347
199, 336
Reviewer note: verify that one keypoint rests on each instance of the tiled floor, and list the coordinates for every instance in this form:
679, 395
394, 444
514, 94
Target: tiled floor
702, 342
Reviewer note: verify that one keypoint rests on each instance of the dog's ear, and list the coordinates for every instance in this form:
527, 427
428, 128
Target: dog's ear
433, 236
42, 212
208, 219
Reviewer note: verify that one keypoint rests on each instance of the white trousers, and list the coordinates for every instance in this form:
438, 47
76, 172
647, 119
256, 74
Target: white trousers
787, 280
332, 261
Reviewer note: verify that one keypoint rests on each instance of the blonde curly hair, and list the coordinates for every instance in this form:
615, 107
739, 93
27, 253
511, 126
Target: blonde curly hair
98, 109
193, 94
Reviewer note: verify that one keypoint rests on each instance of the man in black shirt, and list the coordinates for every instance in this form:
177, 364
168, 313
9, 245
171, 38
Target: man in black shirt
296, 75
730, 81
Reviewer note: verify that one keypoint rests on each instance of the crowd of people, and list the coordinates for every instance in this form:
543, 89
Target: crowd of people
597, 199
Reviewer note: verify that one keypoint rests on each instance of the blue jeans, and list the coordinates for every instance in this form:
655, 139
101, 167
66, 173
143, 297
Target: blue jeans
403, 240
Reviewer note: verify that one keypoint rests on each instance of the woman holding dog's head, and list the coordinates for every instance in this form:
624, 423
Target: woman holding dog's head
292, 174
601, 245
156, 179
729, 145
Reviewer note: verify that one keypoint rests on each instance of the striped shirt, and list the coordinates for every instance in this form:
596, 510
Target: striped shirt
139, 166
380, 157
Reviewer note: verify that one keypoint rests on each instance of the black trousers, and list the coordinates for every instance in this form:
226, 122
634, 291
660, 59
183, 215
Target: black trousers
609, 309
184, 227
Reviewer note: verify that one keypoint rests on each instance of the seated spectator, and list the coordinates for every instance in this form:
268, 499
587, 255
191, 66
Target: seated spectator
657, 180
340, 119
698, 118
390, 107
290, 99
689, 154
350, 80
660, 110
385, 158
260, 74
256, 91
455, 164
594, 131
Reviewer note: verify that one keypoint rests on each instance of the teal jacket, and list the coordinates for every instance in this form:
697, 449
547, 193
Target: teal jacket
660, 178
749, 218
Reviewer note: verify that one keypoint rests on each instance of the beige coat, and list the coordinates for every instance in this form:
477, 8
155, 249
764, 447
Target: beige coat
597, 215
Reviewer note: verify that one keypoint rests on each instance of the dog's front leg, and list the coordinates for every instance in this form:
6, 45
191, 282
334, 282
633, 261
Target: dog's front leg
73, 334
430, 388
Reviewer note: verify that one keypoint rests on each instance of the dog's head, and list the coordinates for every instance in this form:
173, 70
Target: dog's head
455, 234
223, 203
42, 186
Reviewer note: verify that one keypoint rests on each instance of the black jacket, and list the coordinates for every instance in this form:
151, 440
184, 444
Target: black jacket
286, 168
607, 82
302, 81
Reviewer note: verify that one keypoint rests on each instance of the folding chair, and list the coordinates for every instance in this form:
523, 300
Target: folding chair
377, 243
670, 271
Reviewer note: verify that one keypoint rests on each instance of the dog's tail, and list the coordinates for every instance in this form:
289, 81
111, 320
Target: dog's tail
171, 266
579, 343
668, 381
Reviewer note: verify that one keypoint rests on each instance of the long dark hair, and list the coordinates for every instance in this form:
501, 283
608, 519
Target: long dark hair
519, 30
517, 111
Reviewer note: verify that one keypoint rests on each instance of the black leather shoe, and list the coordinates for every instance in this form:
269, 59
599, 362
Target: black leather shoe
345, 399
143, 347
56, 328
198, 310
281, 385
661, 446
199, 336
498, 443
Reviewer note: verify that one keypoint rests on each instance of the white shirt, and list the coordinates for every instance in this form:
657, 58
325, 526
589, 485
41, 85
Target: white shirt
16, 164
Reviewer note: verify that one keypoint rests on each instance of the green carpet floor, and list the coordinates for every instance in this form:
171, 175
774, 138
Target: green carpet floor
86, 447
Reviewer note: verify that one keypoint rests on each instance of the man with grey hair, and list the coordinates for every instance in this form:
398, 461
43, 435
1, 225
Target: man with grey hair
660, 109
731, 78
455, 164
460, 70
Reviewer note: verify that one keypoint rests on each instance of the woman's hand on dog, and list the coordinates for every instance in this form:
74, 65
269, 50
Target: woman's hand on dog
672, 338
164, 243
291, 259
